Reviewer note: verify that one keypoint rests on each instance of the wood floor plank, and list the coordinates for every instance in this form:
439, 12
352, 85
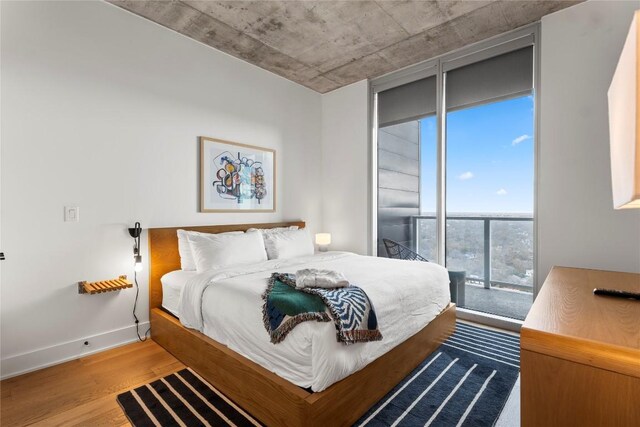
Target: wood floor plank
83, 392
100, 411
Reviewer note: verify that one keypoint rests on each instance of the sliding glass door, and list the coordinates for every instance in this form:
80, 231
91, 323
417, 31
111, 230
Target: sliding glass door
455, 152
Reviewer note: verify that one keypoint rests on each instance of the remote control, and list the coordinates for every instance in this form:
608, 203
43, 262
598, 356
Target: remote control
615, 293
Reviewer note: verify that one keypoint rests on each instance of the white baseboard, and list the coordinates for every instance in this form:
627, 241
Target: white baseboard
33, 360
489, 319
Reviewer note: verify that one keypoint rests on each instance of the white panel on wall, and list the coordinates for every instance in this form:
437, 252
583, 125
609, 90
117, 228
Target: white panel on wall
577, 225
345, 167
101, 109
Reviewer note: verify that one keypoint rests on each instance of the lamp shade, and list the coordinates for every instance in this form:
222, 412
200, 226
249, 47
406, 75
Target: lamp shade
624, 122
323, 239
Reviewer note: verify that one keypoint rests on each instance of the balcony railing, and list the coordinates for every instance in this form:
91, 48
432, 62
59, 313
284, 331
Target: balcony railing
524, 246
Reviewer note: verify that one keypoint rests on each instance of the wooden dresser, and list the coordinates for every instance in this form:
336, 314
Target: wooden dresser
580, 353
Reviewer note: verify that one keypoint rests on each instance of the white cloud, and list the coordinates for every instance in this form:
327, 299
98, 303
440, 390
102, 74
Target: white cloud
465, 176
520, 139
501, 192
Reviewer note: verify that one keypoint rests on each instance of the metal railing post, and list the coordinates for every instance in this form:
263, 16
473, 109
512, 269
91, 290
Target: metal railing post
416, 233
487, 253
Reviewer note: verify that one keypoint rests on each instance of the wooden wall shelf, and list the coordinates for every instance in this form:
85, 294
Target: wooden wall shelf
104, 286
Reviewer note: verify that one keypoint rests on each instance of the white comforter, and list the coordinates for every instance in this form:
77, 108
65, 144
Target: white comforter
226, 305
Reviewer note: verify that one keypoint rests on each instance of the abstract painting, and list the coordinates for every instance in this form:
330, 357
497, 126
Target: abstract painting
236, 177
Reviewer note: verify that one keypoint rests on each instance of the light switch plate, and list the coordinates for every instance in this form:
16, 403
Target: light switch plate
71, 213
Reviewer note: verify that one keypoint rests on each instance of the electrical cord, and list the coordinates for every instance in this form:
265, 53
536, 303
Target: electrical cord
135, 317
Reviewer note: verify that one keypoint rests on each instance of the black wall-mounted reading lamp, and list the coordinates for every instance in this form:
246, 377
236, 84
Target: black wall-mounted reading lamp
135, 232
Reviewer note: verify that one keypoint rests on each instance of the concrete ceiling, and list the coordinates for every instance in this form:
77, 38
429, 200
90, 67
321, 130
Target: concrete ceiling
325, 45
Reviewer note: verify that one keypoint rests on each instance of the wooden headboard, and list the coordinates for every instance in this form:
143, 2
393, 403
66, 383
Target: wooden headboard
164, 255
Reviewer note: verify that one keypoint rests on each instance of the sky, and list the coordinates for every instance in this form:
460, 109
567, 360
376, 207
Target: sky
490, 155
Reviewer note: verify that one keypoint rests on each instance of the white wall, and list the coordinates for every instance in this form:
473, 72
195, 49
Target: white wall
101, 109
345, 166
577, 225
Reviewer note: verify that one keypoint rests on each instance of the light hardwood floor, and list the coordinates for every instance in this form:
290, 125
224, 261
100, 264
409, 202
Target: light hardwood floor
83, 392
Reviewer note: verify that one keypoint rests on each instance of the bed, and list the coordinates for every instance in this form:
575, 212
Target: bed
285, 398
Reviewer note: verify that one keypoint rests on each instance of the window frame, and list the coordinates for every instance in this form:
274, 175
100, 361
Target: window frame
513, 40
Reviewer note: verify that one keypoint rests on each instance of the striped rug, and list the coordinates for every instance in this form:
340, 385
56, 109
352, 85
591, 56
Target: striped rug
465, 382
182, 399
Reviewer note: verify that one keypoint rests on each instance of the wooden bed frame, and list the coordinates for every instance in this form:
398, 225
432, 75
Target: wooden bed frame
271, 399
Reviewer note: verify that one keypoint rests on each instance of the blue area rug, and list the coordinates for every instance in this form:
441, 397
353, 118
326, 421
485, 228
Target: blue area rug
465, 382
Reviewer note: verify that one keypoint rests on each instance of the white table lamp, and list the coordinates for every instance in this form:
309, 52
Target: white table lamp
624, 122
323, 240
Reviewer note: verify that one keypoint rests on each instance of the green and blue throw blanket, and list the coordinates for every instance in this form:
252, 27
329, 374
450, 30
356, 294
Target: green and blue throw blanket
285, 307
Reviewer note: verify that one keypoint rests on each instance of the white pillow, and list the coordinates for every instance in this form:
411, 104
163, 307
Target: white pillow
186, 257
288, 244
223, 250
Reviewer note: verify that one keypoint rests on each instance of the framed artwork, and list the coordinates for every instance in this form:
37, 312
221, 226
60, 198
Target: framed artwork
236, 177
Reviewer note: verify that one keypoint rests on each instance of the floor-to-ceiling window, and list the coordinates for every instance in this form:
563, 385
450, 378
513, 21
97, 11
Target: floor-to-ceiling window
490, 180
472, 170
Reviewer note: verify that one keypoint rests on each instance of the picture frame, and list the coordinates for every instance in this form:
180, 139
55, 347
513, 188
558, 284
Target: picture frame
236, 177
